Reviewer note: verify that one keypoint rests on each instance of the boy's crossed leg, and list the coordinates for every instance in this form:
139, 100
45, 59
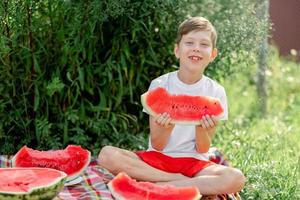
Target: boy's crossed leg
215, 179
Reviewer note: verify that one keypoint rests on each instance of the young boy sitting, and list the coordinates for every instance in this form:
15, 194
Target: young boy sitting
177, 154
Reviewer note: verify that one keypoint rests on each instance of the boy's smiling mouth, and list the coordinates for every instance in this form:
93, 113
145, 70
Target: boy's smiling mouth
195, 58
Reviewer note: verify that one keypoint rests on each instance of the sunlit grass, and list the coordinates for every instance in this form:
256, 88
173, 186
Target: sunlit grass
265, 149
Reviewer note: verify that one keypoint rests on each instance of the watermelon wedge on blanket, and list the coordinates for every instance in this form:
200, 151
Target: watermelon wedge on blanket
124, 188
30, 183
73, 160
183, 109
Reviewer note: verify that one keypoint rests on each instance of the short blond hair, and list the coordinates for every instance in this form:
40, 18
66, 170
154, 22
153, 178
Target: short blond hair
196, 23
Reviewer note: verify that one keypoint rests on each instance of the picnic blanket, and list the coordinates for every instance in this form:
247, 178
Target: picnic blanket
93, 182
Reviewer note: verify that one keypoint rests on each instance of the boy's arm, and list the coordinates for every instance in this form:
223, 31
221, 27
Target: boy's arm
204, 133
160, 131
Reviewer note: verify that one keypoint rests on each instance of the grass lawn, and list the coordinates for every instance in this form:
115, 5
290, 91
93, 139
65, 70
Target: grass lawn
265, 149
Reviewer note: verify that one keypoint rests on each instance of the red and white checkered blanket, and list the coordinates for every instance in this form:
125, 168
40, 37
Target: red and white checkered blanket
93, 184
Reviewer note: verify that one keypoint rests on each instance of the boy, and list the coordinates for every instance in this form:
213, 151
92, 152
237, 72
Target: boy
177, 154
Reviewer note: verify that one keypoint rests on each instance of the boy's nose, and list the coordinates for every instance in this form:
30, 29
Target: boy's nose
196, 49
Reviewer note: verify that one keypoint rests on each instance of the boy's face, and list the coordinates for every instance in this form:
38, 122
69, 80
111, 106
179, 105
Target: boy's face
195, 51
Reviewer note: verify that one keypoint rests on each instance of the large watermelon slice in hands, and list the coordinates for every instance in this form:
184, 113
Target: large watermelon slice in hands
183, 109
30, 183
73, 160
124, 188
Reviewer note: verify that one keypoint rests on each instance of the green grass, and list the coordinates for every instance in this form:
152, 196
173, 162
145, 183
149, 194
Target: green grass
265, 149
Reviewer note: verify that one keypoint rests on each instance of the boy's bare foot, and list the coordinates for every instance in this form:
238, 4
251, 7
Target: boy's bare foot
175, 177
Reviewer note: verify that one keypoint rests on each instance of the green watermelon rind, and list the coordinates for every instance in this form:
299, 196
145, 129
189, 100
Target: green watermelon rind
69, 177
173, 121
38, 193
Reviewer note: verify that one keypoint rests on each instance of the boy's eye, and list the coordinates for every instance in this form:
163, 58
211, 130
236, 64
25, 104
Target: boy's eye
204, 44
189, 43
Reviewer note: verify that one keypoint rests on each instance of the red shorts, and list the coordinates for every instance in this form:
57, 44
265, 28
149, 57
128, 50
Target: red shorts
185, 165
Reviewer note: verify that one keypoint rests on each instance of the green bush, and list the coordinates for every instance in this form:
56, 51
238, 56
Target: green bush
73, 71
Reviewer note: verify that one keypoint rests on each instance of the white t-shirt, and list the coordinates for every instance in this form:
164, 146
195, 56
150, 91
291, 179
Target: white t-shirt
182, 139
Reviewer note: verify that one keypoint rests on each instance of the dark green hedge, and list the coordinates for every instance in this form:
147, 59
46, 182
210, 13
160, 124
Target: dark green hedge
72, 71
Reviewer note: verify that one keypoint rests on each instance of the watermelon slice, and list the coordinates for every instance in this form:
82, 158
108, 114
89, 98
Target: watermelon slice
73, 160
123, 187
30, 183
183, 109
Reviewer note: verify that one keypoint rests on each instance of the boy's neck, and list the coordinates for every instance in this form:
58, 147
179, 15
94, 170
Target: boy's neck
189, 78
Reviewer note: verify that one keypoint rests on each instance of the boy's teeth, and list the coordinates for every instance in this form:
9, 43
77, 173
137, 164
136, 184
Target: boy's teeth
195, 58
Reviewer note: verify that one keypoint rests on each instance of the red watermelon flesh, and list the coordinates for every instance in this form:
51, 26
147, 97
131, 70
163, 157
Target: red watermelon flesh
24, 179
125, 188
72, 160
183, 109
30, 183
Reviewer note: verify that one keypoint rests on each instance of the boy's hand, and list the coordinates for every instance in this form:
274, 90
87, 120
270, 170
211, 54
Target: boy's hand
208, 122
164, 120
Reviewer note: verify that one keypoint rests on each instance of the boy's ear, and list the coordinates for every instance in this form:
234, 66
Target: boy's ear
176, 51
214, 54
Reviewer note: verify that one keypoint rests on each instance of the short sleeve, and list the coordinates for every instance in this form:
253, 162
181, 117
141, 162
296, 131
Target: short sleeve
223, 99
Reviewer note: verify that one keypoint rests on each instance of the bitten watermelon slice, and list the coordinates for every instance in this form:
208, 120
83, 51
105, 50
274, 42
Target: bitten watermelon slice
124, 188
73, 160
183, 109
30, 183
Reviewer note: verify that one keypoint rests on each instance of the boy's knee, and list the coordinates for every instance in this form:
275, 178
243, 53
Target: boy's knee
106, 155
240, 180
235, 179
